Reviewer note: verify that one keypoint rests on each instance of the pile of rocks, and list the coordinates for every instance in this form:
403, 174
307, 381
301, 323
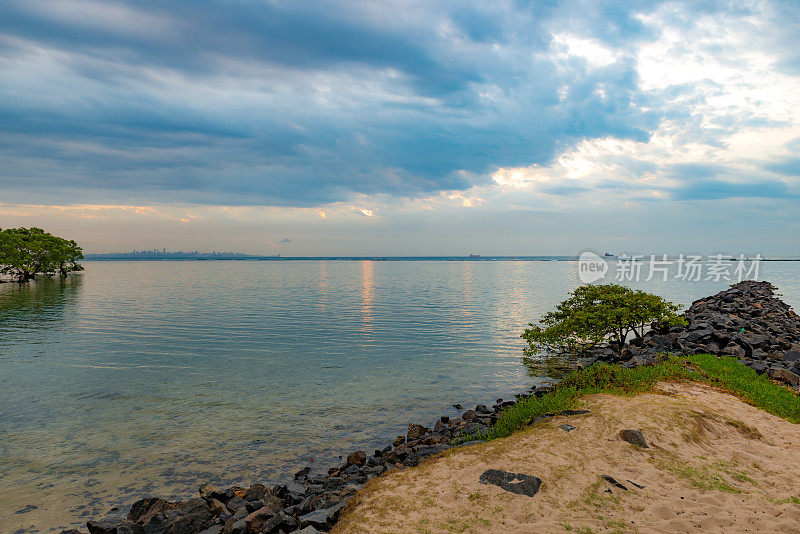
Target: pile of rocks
746, 321
308, 504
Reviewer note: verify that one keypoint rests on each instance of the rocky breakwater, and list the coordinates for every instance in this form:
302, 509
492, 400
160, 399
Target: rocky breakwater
746, 321
308, 504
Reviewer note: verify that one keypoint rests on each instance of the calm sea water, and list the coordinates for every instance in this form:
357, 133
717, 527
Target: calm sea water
135, 378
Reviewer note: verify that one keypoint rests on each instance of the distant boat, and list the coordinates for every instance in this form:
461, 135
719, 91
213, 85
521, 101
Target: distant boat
474, 255
608, 254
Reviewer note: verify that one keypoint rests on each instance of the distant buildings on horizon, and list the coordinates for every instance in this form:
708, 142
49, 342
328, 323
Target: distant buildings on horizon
172, 255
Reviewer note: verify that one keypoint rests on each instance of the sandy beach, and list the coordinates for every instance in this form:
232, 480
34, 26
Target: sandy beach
713, 464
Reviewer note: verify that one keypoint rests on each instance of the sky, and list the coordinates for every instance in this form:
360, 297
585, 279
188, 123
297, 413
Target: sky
403, 128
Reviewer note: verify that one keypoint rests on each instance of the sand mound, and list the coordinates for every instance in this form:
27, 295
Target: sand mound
714, 464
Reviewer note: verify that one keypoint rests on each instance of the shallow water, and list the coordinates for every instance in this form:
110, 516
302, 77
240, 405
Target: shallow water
153, 377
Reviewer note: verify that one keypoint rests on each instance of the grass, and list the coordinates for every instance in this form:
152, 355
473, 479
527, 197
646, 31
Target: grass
789, 500
725, 373
708, 476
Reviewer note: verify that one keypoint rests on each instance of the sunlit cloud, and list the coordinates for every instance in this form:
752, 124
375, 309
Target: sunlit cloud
591, 50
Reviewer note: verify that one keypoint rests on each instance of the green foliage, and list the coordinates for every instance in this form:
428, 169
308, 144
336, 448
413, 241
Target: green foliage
618, 380
727, 373
723, 372
26, 252
599, 314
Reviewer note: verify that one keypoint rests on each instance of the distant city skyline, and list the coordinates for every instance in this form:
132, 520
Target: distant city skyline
398, 128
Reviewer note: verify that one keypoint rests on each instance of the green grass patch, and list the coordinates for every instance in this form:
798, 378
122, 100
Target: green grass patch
753, 388
723, 372
788, 500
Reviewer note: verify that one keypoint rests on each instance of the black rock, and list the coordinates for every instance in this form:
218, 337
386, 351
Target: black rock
481, 408
141, 507
333, 482
634, 437
117, 527
374, 471
303, 473
323, 518
513, 482
611, 480
573, 412
236, 526
188, 517
217, 508
472, 427
258, 518
567, 428
255, 492
236, 503
426, 450
230, 493
358, 458
791, 356
415, 431
350, 470
281, 522
27, 508
252, 506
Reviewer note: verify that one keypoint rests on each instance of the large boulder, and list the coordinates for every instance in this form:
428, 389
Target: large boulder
322, 519
513, 482
634, 437
187, 517
149, 506
358, 458
210, 491
256, 520
415, 431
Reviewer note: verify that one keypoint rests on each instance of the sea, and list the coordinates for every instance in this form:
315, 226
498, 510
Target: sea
137, 378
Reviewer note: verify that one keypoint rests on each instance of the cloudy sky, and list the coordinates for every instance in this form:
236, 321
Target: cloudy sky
382, 128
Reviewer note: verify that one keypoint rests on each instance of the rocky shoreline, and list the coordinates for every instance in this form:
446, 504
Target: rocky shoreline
309, 503
746, 321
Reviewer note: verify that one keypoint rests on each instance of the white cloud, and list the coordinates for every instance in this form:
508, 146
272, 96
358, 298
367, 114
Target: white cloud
591, 50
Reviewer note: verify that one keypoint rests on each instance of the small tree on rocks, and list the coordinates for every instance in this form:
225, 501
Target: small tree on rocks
595, 316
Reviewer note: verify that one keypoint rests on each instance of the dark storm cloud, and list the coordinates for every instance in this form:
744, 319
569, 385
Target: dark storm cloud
302, 103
